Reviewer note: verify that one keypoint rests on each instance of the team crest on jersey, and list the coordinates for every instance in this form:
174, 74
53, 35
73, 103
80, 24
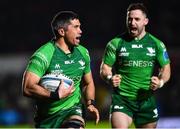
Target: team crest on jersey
151, 51
82, 63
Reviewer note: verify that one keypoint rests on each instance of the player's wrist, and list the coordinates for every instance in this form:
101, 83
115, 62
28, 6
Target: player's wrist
161, 83
91, 102
108, 78
54, 95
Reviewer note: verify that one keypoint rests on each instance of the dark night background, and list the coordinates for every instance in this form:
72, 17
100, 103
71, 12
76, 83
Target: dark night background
25, 26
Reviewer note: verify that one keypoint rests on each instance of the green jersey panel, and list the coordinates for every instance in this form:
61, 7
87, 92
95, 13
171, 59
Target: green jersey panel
74, 65
40, 60
109, 57
162, 55
85, 54
135, 61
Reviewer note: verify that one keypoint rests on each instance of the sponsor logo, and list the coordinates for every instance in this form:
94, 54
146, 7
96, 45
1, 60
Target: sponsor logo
57, 66
56, 71
123, 52
123, 49
137, 46
138, 63
69, 62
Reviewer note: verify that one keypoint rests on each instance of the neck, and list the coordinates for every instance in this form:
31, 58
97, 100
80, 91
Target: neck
141, 35
63, 46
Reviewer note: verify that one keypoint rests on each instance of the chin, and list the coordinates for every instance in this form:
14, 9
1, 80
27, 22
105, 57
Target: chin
76, 44
133, 34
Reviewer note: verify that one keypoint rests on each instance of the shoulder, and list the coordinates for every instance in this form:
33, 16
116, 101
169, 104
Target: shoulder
153, 37
114, 43
84, 52
157, 41
49, 46
82, 49
45, 51
117, 40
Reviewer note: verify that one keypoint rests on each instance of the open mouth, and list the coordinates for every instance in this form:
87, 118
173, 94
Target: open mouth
133, 29
78, 38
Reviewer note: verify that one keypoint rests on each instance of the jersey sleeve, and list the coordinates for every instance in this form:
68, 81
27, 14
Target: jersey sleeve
109, 56
86, 56
40, 60
162, 54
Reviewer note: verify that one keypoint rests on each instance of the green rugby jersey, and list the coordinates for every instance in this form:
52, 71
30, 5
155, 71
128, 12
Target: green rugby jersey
51, 59
135, 61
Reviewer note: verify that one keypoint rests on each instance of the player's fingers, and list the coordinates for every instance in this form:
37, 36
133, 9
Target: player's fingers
97, 116
154, 87
72, 84
73, 89
61, 82
116, 83
93, 110
118, 76
90, 108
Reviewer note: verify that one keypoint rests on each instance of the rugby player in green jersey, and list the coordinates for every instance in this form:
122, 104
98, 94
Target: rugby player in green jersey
128, 65
63, 55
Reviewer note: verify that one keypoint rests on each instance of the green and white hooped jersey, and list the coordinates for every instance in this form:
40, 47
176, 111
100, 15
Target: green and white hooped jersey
135, 61
51, 59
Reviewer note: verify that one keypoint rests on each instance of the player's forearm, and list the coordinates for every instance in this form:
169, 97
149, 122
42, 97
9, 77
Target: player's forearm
31, 87
90, 91
36, 91
89, 87
165, 73
105, 72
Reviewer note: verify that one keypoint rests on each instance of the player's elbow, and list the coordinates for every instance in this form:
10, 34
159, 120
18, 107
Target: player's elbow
26, 92
102, 73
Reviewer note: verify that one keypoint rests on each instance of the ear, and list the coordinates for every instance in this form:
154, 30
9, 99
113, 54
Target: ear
146, 20
61, 32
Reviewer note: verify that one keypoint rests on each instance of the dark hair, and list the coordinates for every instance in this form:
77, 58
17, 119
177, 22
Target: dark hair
139, 6
62, 20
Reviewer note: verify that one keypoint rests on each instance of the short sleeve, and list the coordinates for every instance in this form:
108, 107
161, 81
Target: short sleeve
109, 56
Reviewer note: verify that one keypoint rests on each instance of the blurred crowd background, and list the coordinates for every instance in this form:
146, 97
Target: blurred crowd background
25, 26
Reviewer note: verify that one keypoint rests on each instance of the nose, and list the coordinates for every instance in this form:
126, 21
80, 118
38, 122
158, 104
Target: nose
132, 21
80, 31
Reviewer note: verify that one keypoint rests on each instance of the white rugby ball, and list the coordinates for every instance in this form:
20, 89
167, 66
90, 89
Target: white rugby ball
52, 81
